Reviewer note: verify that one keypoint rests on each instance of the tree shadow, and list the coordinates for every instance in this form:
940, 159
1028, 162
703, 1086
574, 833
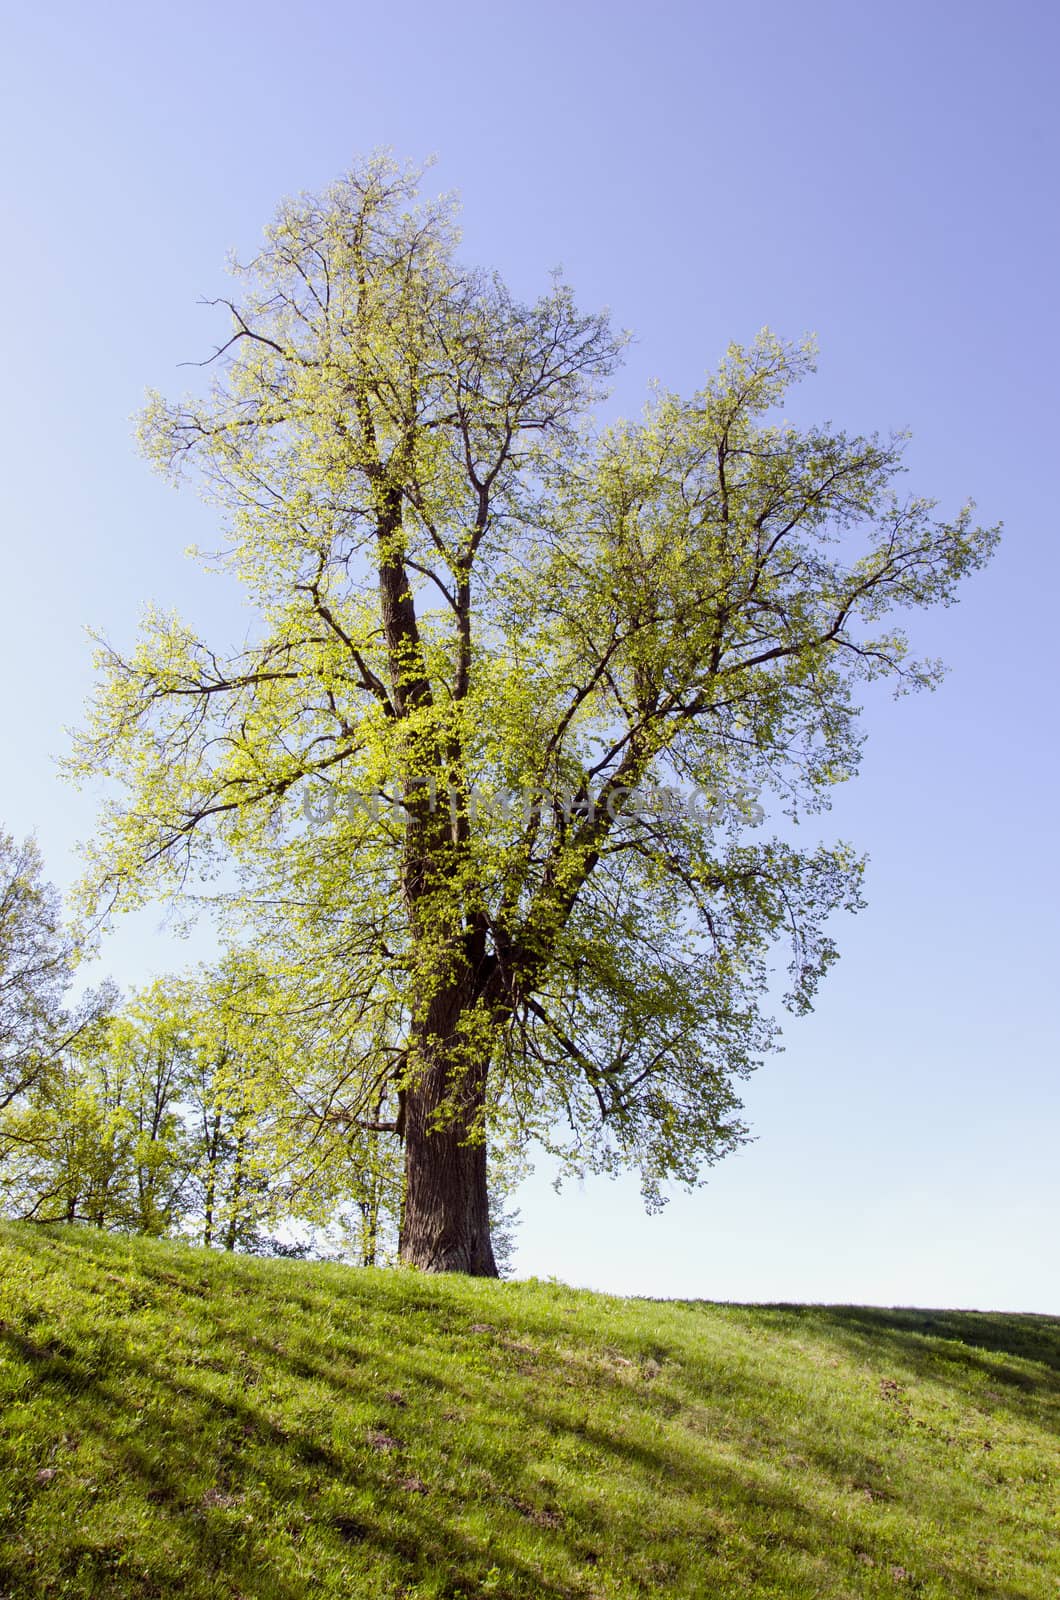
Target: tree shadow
1024, 1336
396, 1524
770, 1491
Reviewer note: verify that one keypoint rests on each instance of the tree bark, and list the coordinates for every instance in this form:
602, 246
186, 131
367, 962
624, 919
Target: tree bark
445, 1225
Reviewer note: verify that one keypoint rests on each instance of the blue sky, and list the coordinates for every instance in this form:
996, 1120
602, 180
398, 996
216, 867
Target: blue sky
882, 176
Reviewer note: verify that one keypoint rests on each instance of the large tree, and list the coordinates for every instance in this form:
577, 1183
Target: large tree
466, 591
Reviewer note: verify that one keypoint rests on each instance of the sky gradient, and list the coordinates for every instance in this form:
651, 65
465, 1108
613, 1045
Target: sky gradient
884, 177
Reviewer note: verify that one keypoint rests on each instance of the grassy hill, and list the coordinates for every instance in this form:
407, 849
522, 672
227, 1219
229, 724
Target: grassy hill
177, 1423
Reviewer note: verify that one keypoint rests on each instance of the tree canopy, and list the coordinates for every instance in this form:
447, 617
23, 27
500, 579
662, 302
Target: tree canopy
488, 776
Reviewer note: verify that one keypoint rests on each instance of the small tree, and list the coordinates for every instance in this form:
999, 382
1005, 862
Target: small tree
467, 593
64, 1155
36, 967
98, 1138
230, 1102
56, 1143
146, 1067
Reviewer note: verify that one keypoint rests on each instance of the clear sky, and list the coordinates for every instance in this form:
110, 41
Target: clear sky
885, 176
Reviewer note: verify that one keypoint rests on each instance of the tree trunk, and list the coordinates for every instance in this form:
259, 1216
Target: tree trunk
369, 1209
211, 1180
445, 1225
236, 1192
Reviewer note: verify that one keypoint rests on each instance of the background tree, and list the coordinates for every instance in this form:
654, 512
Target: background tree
178, 1114
232, 1103
56, 1143
37, 957
64, 1154
145, 1066
99, 1138
464, 589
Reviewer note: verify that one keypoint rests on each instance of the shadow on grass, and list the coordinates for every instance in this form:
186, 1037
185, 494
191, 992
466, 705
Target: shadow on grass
1025, 1337
1013, 1359
751, 1511
397, 1525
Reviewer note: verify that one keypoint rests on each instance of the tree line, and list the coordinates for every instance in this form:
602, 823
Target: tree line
168, 1112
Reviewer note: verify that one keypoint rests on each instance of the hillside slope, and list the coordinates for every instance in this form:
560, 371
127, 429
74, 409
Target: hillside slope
177, 1423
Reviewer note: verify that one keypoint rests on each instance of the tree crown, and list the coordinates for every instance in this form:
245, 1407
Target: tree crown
486, 627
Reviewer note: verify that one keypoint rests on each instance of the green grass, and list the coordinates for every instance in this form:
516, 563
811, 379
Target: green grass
178, 1423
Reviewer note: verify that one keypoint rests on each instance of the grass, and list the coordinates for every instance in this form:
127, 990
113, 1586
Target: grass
179, 1423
